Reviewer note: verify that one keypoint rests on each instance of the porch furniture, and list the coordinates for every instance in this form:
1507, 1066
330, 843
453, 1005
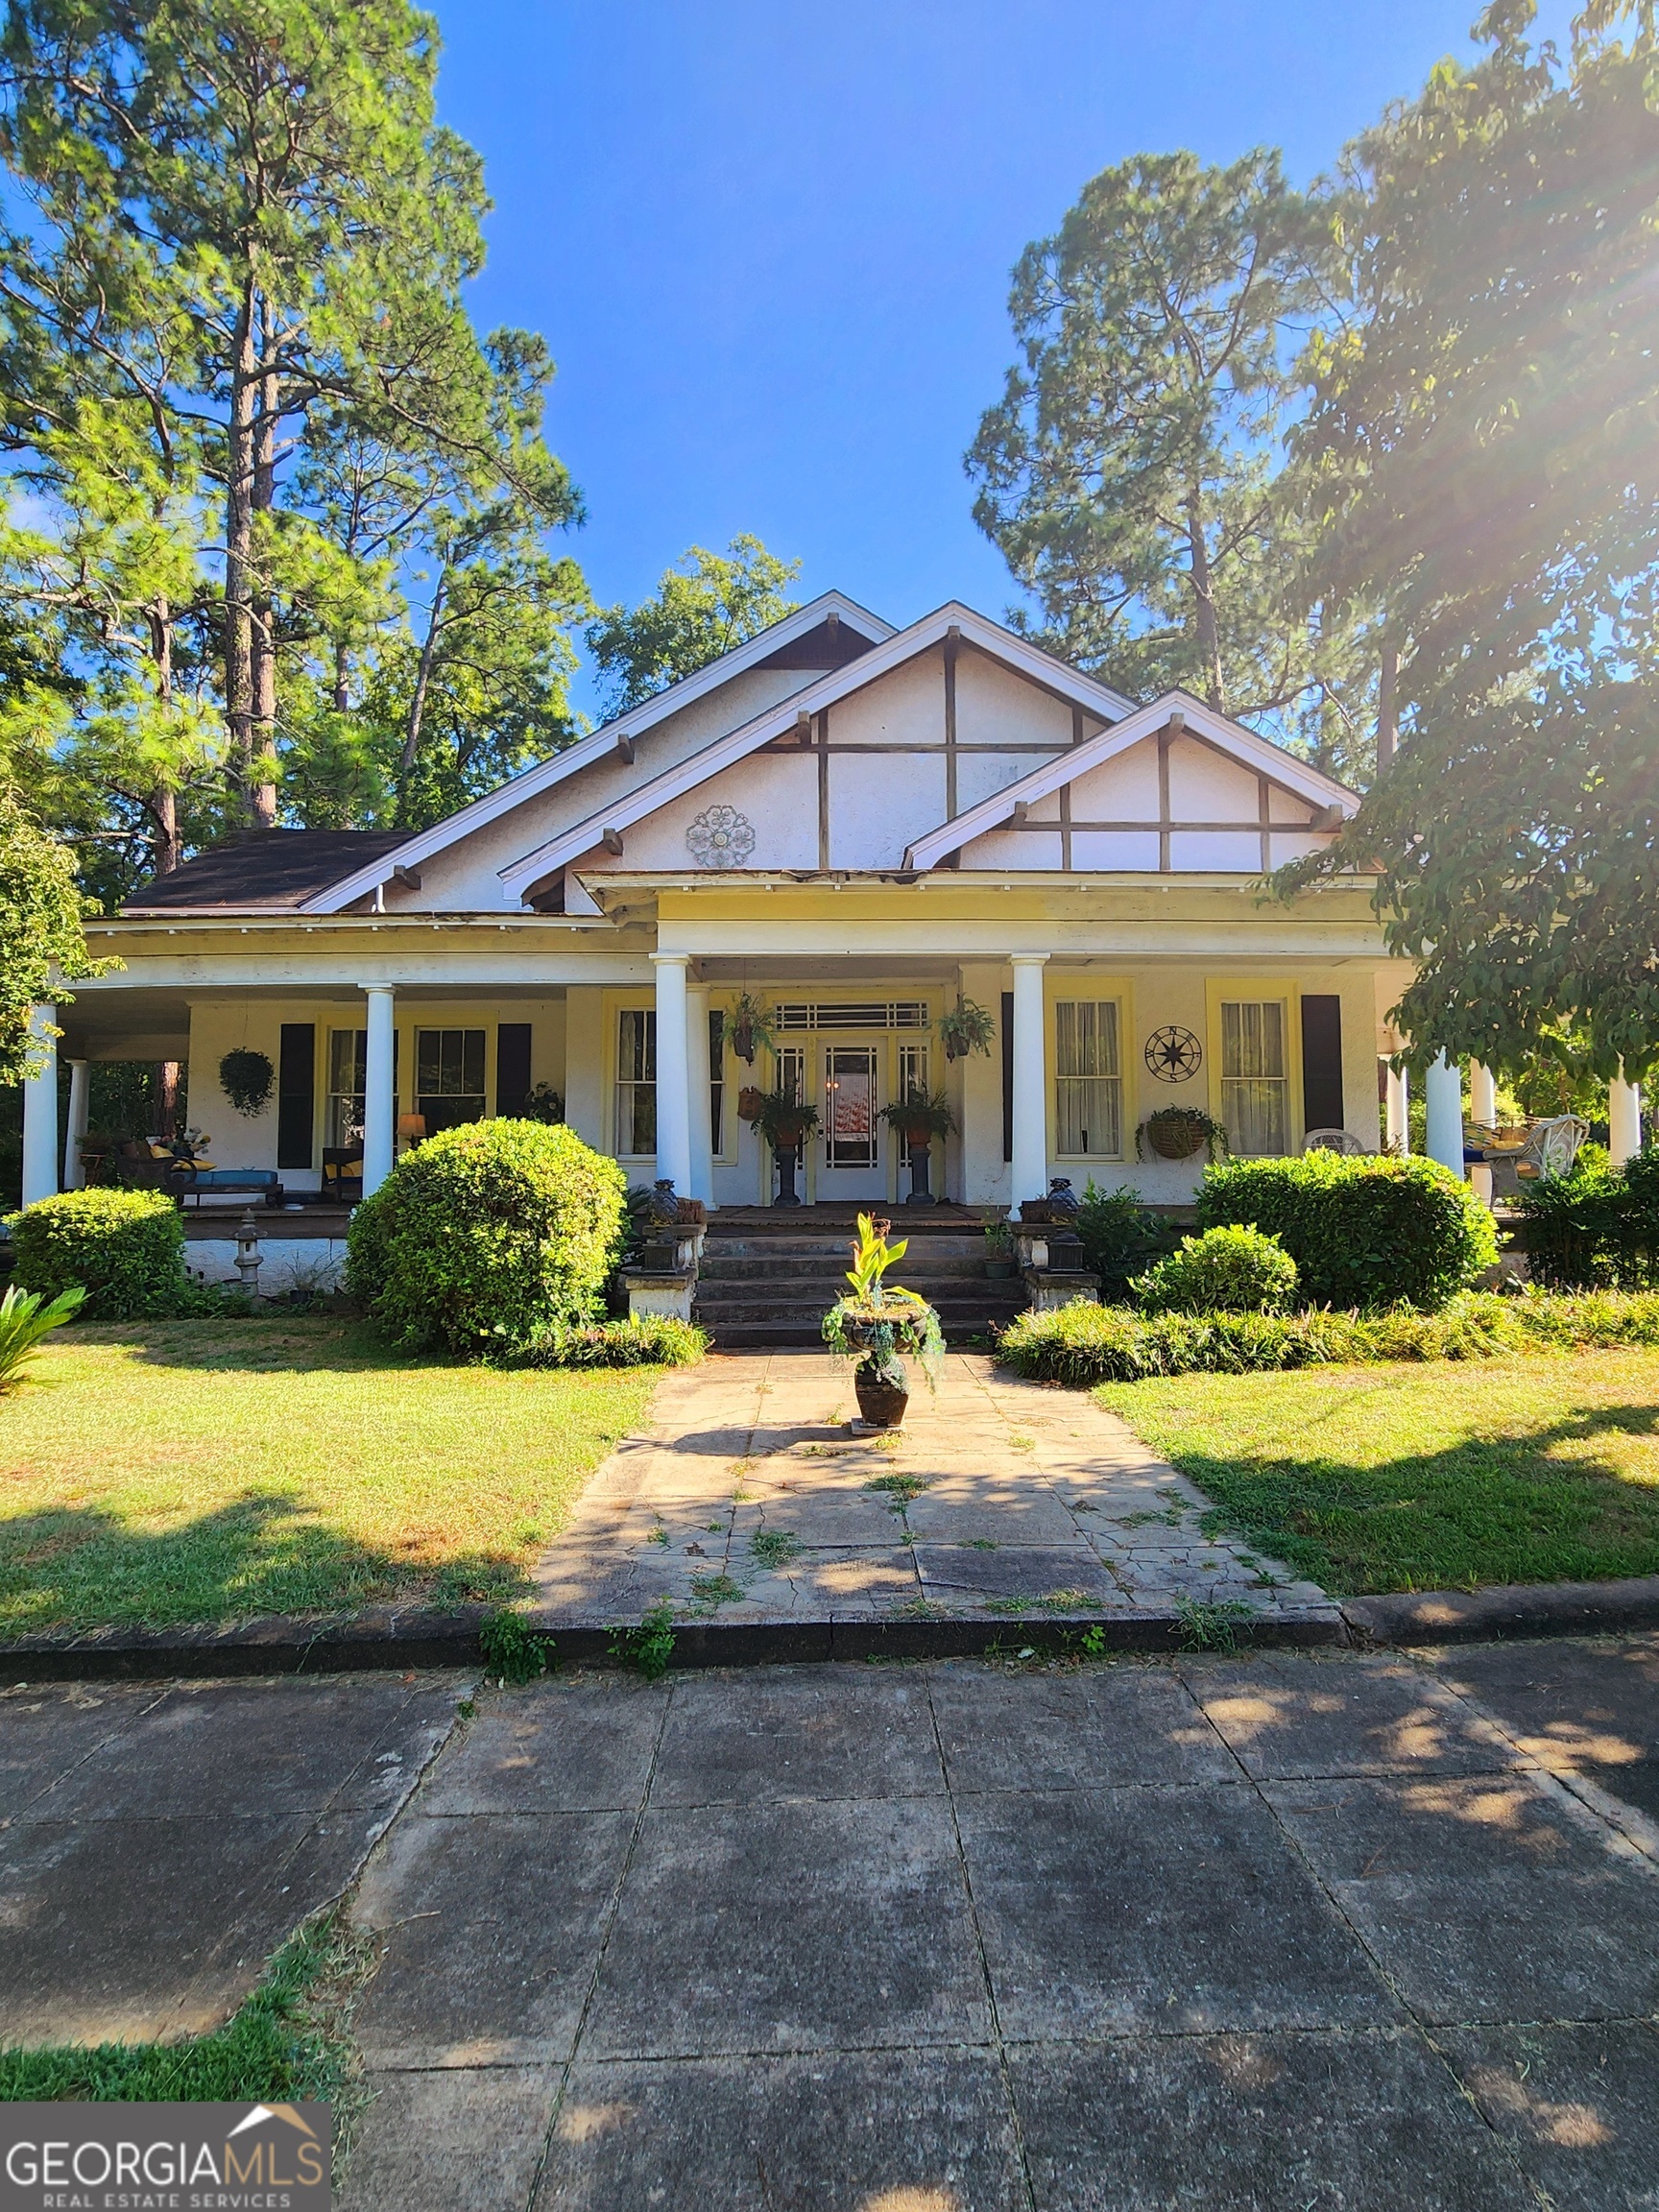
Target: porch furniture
1341, 1141
1550, 1150
343, 1172
216, 1182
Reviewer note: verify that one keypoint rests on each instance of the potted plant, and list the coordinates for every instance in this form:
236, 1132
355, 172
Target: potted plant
1178, 1132
785, 1123
999, 1250
966, 1027
749, 1025
919, 1119
877, 1325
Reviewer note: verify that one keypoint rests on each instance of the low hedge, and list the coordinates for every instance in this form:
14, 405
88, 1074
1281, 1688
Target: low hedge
1596, 1227
1083, 1344
485, 1236
642, 1340
125, 1247
1366, 1234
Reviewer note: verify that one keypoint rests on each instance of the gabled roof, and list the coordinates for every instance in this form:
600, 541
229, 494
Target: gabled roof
1288, 770
991, 638
265, 871
772, 647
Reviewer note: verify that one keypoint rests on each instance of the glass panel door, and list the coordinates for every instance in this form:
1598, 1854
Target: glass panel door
851, 1134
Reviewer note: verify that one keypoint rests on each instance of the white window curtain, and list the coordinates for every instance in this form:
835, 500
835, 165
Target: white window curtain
1088, 1078
1255, 1077
636, 1083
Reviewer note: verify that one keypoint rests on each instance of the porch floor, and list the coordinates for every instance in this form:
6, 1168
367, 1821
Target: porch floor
751, 1499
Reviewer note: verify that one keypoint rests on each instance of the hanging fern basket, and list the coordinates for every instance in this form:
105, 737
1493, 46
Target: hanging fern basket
247, 1080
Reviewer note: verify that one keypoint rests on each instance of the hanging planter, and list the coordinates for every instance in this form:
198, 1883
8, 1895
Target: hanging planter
247, 1079
1178, 1132
966, 1027
748, 1025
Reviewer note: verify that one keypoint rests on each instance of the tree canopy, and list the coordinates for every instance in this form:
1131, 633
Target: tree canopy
42, 945
1482, 438
703, 607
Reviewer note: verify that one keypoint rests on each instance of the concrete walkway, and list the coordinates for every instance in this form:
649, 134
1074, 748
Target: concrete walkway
751, 1497
1282, 1933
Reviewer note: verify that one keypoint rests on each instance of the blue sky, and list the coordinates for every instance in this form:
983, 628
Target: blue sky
770, 245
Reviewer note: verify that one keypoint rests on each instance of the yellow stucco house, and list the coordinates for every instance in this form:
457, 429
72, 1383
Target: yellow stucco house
856, 825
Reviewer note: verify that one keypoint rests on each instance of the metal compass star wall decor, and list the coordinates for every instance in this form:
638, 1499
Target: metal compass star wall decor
1173, 1054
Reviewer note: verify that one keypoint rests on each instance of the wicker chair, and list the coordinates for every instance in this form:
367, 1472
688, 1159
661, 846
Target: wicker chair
1550, 1150
1341, 1141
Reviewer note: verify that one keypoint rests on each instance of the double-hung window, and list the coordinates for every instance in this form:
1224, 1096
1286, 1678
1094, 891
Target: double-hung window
1088, 1078
449, 1077
1255, 1075
347, 1065
636, 1082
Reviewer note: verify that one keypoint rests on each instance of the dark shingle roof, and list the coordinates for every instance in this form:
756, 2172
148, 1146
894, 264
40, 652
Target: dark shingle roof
265, 871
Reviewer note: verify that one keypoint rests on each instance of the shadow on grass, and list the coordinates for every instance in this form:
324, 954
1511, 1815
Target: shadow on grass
1486, 1510
302, 1343
77, 1567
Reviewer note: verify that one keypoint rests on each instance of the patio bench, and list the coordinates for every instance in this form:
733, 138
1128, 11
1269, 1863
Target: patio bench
195, 1182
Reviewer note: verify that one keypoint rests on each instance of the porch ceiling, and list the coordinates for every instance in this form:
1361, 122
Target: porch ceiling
112, 1020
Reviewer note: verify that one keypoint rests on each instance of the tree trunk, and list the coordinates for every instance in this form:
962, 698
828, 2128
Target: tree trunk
167, 1099
163, 800
342, 681
1204, 602
1387, 711
261, 628
418, 703
238, 558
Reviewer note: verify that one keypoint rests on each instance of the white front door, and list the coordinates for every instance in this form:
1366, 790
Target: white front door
851, 1159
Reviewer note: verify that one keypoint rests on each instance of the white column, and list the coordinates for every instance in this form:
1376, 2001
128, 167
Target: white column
1623, 1119
1483, 1094
673, 1087
1443, 1107
1398, 1125
41, 1108
379, 1097
1030, 1170
75, 1138
698, 1076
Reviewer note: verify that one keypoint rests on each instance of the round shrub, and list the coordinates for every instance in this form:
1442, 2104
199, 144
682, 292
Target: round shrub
127, 1249
1224, 1271
1364, 1233
485, 1236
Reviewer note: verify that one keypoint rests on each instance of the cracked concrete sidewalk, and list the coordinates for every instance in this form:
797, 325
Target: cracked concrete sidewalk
751, 1497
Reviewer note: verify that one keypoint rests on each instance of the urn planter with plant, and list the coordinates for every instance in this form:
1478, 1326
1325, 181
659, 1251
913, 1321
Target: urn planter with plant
919, 1117
966, 1027
999, 1250
1178, 1133
785, 1123
877, 1325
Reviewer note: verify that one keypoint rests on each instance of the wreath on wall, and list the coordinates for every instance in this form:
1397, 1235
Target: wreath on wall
247, 1079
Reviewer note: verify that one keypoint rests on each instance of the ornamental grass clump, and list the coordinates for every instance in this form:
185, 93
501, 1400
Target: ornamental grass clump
641, 1341
1224, 1271
123, 1248
1366, 1234
486, 1236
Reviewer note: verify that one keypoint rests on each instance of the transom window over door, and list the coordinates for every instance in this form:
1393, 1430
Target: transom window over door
1255, 1077
449, 1077
1088, 1078
636, 1082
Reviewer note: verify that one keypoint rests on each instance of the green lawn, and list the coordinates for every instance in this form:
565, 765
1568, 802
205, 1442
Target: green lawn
204, 1471
1432, 1477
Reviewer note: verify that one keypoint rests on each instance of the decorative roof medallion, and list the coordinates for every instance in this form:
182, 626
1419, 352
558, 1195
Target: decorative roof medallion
720, 837
1173, 1054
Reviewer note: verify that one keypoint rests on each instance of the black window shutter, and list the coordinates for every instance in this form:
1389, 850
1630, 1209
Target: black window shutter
296, 1093
512, 1066
1008, 1074
1322, 1061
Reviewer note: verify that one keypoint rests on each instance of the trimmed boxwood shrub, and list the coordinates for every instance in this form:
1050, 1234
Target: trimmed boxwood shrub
1223, 1271
1599, 1226
1364, 1233
1083, 1344
485, 1236
127, 1249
